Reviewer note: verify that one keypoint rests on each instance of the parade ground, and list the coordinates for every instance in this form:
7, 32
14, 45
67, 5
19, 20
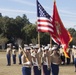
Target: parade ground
15, 69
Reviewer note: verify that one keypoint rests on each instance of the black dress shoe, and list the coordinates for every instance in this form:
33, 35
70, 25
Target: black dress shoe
8, 65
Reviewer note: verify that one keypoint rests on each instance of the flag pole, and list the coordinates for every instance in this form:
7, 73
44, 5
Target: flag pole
38, 31
50, 41
39, 38
50, 35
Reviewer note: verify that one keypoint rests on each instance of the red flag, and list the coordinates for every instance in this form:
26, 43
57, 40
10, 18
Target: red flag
60, 31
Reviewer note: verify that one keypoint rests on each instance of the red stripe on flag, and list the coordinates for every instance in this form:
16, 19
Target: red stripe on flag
39, 20
42, 25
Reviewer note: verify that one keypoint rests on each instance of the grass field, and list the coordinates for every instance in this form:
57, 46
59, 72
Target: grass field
16, 69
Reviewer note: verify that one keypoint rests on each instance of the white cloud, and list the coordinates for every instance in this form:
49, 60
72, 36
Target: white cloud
24, 2
67, 12
16, 11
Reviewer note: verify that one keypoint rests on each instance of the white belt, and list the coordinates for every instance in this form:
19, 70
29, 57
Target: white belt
45, 63
55, 63
26, 66
35, 64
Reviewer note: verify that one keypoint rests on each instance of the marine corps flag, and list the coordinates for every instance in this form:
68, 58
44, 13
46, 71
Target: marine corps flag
60, 31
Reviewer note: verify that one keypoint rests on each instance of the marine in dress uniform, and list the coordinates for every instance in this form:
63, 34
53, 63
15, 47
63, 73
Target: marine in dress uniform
14, 55
20, 54
55, 61
26, 62
25, 45
62, 55
74, 53
69, 54
36, 60
8, 54
46, 61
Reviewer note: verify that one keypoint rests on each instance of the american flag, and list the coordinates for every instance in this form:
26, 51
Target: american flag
44, 22
43, 19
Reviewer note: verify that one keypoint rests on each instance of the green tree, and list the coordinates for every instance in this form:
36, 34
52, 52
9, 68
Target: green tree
44, 38
3, 41
30, 33
73, 34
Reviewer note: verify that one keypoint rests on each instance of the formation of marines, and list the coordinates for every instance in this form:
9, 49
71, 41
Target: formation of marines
41, 59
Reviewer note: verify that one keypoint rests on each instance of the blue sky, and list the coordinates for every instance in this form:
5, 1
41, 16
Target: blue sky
66, 8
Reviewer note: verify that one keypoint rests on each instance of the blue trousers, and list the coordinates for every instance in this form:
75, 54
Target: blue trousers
36, 70
20, 58
26, 71
8, 59
75, 62
46, 71
55, 69
14, 59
